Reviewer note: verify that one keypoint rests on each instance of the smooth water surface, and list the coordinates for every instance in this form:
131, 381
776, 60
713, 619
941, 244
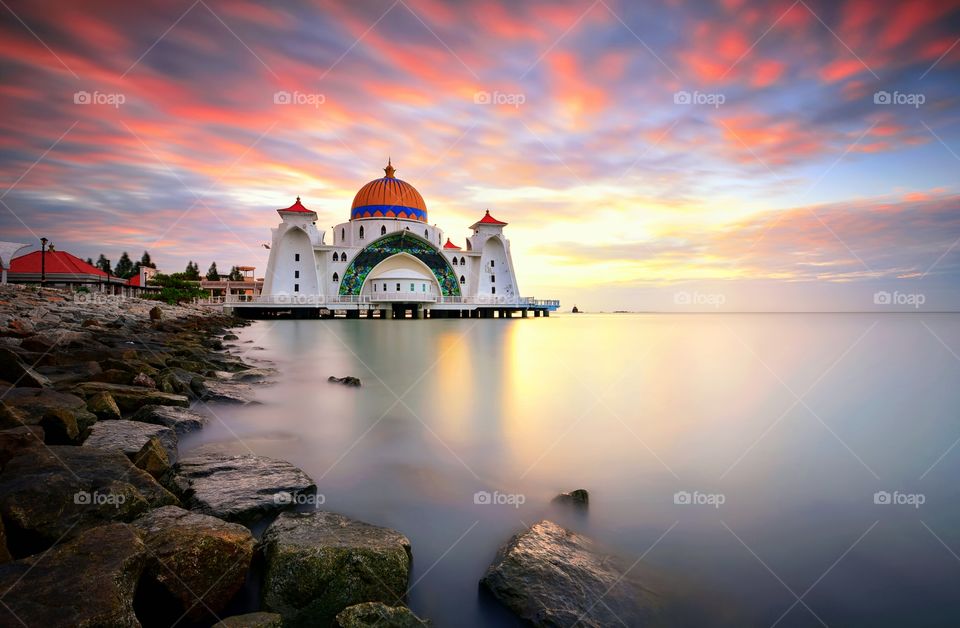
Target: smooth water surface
793, 421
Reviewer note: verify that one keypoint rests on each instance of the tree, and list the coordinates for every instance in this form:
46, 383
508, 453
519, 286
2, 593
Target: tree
175, 288
124, 267
90, 261
104, 264
192, 273
146, 261
235, 274
212, 273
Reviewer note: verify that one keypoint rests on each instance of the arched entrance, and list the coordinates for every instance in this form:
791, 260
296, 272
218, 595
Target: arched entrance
404, 242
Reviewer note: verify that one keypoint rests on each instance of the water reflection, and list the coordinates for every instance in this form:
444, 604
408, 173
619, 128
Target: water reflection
636, 408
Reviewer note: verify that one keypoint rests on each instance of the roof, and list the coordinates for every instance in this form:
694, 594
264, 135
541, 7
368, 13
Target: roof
297, 208
451, 245
388, 197
135, 280
488, 220
56, 263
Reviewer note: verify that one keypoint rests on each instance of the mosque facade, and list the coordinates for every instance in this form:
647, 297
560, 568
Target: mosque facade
387, 260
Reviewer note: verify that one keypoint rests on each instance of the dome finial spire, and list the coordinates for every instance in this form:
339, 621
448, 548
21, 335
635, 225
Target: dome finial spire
389, 170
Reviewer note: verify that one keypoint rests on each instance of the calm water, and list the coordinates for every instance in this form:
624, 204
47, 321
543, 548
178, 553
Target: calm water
635, 408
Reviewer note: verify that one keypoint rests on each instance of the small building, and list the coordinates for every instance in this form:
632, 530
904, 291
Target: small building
59, 269
247, 289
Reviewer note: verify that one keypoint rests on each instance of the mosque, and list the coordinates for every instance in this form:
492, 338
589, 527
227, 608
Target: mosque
388, 261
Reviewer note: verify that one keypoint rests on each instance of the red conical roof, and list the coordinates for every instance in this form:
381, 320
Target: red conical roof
451, 245
297, 208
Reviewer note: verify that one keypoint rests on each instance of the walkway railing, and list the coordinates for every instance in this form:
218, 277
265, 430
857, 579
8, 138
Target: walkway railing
388, 297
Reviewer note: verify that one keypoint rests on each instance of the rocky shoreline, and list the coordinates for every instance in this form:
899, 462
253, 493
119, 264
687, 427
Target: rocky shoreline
104, 523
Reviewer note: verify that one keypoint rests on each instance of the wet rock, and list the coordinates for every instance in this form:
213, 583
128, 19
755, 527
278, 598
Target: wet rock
129, 437
132, 398
319, 563
181, 382
89, 581
371, 614
579, 498
103, 405
48, 493
153, 459
251, 620
231, 337
195, 555
228, 392
38, 406
142, 379
553, 577
19, 440
346, 381
180, 420
112, 376
250, 375
240, 488
62, 375
13, 370
156, 313
60, 427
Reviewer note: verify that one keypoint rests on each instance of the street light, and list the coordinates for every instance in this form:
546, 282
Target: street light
43, 262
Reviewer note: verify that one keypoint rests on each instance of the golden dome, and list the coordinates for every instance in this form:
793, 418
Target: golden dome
388, 197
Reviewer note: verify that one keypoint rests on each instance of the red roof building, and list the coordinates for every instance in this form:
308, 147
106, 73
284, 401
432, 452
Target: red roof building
451, 245
488, 220
297, 208
59, 269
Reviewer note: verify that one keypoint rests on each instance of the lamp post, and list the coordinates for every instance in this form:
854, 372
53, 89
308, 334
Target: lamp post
43, 262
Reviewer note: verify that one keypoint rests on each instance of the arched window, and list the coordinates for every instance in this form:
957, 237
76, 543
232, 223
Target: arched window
493, 290
361, 232
493, 279
336, 256
383, 230
343, 234
462, 261
343, 256
463, 280
454, 261
426, 234
492, 264
336, 277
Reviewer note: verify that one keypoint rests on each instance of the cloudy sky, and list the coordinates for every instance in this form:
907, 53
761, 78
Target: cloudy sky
647, 155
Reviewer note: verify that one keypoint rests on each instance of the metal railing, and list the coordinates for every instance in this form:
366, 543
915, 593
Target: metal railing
385, 297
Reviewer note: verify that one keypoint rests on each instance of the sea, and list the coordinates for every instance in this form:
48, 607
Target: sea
779, 469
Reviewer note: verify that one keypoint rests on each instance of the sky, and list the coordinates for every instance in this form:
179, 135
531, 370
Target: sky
728, 155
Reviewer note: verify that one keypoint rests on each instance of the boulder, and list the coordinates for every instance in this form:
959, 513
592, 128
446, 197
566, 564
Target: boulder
67, 414
579, 498
377, 614
241, 488
142, 379
180, 381
153, 459
251, 620
130, 437
89, 581
51, 492
550, 576
132, 398
180, 420
156, 313
103, 405
227, 391
13, 370
18, 440
231, 337
193, 555
346, 381
316, 564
